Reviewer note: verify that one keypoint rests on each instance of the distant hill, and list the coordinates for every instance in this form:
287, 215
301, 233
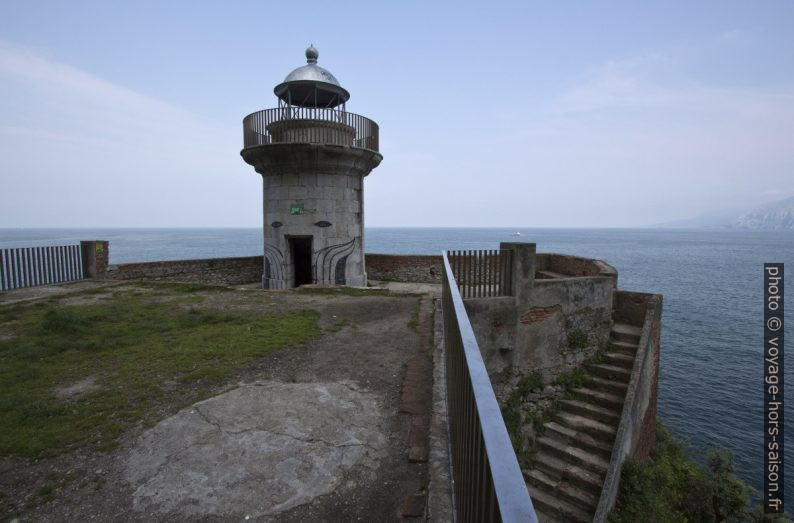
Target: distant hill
777, 215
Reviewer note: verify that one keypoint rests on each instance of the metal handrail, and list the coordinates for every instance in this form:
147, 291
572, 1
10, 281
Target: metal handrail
488, 483
292, 124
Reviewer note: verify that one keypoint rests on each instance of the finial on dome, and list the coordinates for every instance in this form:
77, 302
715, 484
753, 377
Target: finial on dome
311, 54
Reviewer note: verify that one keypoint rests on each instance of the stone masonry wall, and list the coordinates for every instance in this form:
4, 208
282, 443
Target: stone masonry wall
406, 268
227, 271
243, 270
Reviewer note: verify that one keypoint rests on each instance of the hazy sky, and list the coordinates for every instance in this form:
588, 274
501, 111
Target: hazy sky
546, 114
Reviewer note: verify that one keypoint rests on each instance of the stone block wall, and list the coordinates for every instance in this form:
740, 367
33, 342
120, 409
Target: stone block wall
405, 268
244, 270
226, 271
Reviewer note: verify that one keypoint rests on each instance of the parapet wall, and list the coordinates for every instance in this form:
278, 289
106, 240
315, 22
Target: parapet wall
553, 321
245, 270
228, 271
405, 268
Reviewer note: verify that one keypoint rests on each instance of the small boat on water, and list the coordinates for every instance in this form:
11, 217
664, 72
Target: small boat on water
516, 233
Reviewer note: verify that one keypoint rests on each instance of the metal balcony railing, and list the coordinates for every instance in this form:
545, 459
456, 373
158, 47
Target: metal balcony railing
292, 124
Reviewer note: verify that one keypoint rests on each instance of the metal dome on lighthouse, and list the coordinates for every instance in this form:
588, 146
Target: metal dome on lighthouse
311, 85
313, 156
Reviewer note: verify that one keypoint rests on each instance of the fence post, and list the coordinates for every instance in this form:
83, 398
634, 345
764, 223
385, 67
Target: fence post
523, 271
95, 258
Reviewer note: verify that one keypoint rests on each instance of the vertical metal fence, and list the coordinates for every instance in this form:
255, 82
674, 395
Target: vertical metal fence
31, 266
483, 273
488, 484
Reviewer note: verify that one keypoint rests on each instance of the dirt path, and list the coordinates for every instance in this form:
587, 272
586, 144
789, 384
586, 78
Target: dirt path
320, 432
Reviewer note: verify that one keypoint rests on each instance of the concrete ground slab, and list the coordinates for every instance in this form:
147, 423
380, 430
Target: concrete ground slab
260, 449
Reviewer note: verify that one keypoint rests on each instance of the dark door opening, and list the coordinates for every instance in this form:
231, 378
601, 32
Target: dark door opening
302, 260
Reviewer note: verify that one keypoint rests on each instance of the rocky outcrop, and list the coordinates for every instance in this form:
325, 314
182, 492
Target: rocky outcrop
775, 216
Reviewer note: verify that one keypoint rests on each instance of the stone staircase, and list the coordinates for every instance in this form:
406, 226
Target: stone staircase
574, 451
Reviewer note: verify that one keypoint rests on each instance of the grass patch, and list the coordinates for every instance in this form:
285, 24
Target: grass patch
339, 325
577, 339
672, 487
413, 321
511, 413
573, 379
141, 353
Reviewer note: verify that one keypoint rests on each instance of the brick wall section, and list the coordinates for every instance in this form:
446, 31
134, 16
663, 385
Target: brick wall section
228, 271
405, 268
538, 314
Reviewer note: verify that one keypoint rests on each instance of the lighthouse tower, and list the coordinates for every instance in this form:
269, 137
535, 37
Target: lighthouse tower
313, 156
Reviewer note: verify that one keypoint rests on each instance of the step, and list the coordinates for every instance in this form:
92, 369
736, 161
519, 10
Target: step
624, 347
580, 439
561, 490
599, 397
562, 511
573, 454
601, 431
608, 416
626, 332
610, 372
613, 387
619, 359
575, 476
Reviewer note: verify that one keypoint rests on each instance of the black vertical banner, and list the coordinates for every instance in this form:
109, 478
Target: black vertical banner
773, 389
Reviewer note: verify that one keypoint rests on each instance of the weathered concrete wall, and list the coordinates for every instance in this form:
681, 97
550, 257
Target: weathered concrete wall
530, 330
95, 257
557, 311
407, 268
636, 433
229, 271
493, 321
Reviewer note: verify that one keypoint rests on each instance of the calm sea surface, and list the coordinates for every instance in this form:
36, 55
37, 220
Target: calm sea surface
712, 339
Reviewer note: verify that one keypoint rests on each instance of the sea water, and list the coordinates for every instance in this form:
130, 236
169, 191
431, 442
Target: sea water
710, 385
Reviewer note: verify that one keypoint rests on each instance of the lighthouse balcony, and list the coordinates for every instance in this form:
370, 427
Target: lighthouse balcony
291, 124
